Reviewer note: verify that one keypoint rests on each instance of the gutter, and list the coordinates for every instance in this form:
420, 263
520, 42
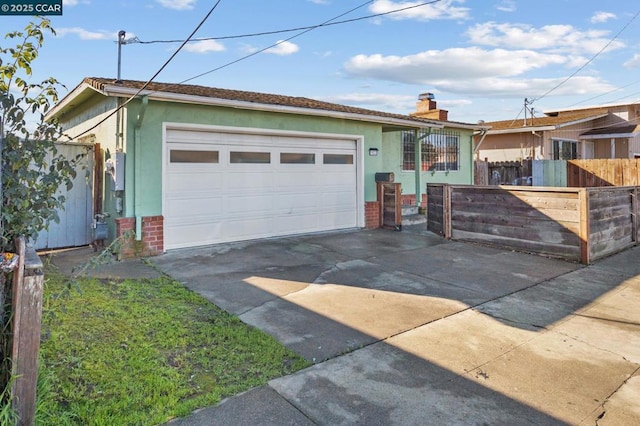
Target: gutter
136, 165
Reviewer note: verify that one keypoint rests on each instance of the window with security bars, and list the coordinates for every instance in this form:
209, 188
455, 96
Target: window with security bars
440, 150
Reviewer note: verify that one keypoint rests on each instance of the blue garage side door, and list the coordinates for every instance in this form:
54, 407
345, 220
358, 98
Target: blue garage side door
74, 228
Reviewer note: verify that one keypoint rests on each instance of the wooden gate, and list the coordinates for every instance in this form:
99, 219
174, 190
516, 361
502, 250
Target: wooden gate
74, 228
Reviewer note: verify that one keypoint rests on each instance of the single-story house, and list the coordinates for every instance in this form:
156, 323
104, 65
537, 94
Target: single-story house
190, 165
608, 131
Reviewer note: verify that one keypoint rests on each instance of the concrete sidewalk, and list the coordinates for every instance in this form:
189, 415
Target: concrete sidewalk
407, 328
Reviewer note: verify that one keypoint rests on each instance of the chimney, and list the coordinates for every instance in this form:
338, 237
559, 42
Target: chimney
427, 108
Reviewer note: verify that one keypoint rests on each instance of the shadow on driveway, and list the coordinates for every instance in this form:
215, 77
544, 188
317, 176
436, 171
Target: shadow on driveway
407, 328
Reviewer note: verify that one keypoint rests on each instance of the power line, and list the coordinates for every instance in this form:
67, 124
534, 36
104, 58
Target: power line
312, 27
184, 42
607, 93
144, 86
276, 44
590, 60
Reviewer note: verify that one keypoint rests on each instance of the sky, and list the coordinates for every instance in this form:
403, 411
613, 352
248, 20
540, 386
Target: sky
480, 58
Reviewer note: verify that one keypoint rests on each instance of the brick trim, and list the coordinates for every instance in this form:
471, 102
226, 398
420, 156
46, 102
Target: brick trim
372, 214
151, 243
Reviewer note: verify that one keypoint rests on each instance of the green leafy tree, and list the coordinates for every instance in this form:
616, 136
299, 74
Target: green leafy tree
32, 170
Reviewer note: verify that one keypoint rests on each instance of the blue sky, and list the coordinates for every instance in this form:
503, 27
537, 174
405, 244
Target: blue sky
481, 58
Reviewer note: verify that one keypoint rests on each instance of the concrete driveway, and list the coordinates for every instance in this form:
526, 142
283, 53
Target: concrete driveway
407, 328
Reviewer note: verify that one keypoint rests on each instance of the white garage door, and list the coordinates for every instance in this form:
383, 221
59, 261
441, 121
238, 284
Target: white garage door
222, 187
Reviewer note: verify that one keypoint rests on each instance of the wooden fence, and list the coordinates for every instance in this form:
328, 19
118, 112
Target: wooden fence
586, 173
598, 173
26, 306
502, 172
582, 224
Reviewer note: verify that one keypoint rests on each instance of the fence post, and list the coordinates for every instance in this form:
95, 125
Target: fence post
585, 249
447, 211
635, 210
27, 321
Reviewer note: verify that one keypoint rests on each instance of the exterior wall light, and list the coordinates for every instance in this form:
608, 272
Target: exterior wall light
373, 152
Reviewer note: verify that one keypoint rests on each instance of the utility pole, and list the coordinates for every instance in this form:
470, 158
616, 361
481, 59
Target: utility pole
121, 35
121, 40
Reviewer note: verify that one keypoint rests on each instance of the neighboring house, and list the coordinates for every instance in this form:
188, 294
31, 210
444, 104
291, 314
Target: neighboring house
195, 165
608, 131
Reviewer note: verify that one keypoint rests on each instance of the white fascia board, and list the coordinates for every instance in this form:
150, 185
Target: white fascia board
203, 100
521, 130
582, 120
60, 106
611, 136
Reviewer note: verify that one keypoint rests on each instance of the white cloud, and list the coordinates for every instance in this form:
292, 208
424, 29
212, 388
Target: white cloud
376, 101
600, 17
453, 103
444, 9
86, 34
633, 62
506, 6
204, 46
557, 38
494, 73
516, 88
178, 4
66, 3
427, 66
320, 1
283, 48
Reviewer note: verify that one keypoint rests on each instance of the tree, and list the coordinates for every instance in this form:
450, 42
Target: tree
32, 171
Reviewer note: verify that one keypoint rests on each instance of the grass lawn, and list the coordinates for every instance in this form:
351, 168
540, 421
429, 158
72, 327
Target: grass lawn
141, 352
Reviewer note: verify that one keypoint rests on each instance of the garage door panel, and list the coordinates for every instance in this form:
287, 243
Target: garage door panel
296, 201
248, 206
184, 235
189, 208
287, 224
194, 183
297, 179
224, 202
247, 229
251, 180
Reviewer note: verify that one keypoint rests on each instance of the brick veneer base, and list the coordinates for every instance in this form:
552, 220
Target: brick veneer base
372, 214
410, 200
151, 243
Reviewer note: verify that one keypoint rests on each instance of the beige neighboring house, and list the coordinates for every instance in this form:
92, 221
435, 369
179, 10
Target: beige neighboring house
608, 131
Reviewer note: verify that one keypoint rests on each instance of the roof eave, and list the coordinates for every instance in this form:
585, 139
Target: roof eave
521, 130
610, 136
68, 101
582, 120
113, 90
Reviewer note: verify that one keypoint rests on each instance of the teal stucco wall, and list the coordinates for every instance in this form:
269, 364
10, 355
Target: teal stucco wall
149, 170
392, 148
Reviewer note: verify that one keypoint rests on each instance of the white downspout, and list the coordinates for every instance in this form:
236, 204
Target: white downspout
136, 166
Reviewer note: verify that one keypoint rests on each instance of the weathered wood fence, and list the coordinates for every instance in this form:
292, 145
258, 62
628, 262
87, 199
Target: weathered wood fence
582, 224
26, 306
501, 172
